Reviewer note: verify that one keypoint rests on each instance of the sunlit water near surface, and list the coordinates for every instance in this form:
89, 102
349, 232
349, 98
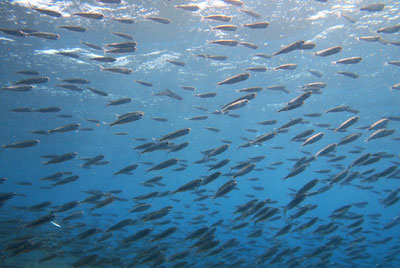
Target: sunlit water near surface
273, 202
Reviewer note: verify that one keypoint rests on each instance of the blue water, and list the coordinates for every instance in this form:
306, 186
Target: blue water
371, 243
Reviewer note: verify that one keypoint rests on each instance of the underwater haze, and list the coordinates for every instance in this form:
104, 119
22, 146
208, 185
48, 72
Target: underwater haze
226, 133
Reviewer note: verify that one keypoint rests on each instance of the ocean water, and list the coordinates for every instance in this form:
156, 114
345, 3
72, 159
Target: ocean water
285, 204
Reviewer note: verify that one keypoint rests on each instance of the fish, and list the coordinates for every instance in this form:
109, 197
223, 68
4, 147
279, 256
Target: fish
126, 170
351, 60
49, 12
389, 29
227, 42
382, 123
197, 118
22, 110
229, 28
225, 188
121, 224
302, 135
315, 73
65, 128
235, 105
296, 171
349, 74
262, 55
206, 95
44, 35
119, 70
21, 144
123, 35
396, 86
123, 45
104, 59
33, 81
164, 234
380, 133
177, 63
250, 89
164, 164
127, 118
93, 46
257, 25
349, 122
52, 109
105, 202
159, 20
329, 51
234, 2
288, 66
66, 180
61, 158
189, 185
217, 57
119, 101
13, 32
341, 108
179, 147
98, 92
189, 88
251, 13
313, 115
289, 48
73, 28
144, 83
395, 63
307, 46
349, 138
373, 7
68, 54
234, 79
41, 220
248, 44
326, 150
170, 94
19, 88
301, 98
369, 38
348, 18
176, 134
213, 196
218, 17
257, 69
124, 20
89, 259
76, 81
89, 15
160, 119
292, 123
190, 7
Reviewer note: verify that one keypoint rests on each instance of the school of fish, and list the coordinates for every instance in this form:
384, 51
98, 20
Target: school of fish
220, 133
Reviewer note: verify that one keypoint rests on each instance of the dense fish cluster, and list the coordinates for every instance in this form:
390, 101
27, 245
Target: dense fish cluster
220, 133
